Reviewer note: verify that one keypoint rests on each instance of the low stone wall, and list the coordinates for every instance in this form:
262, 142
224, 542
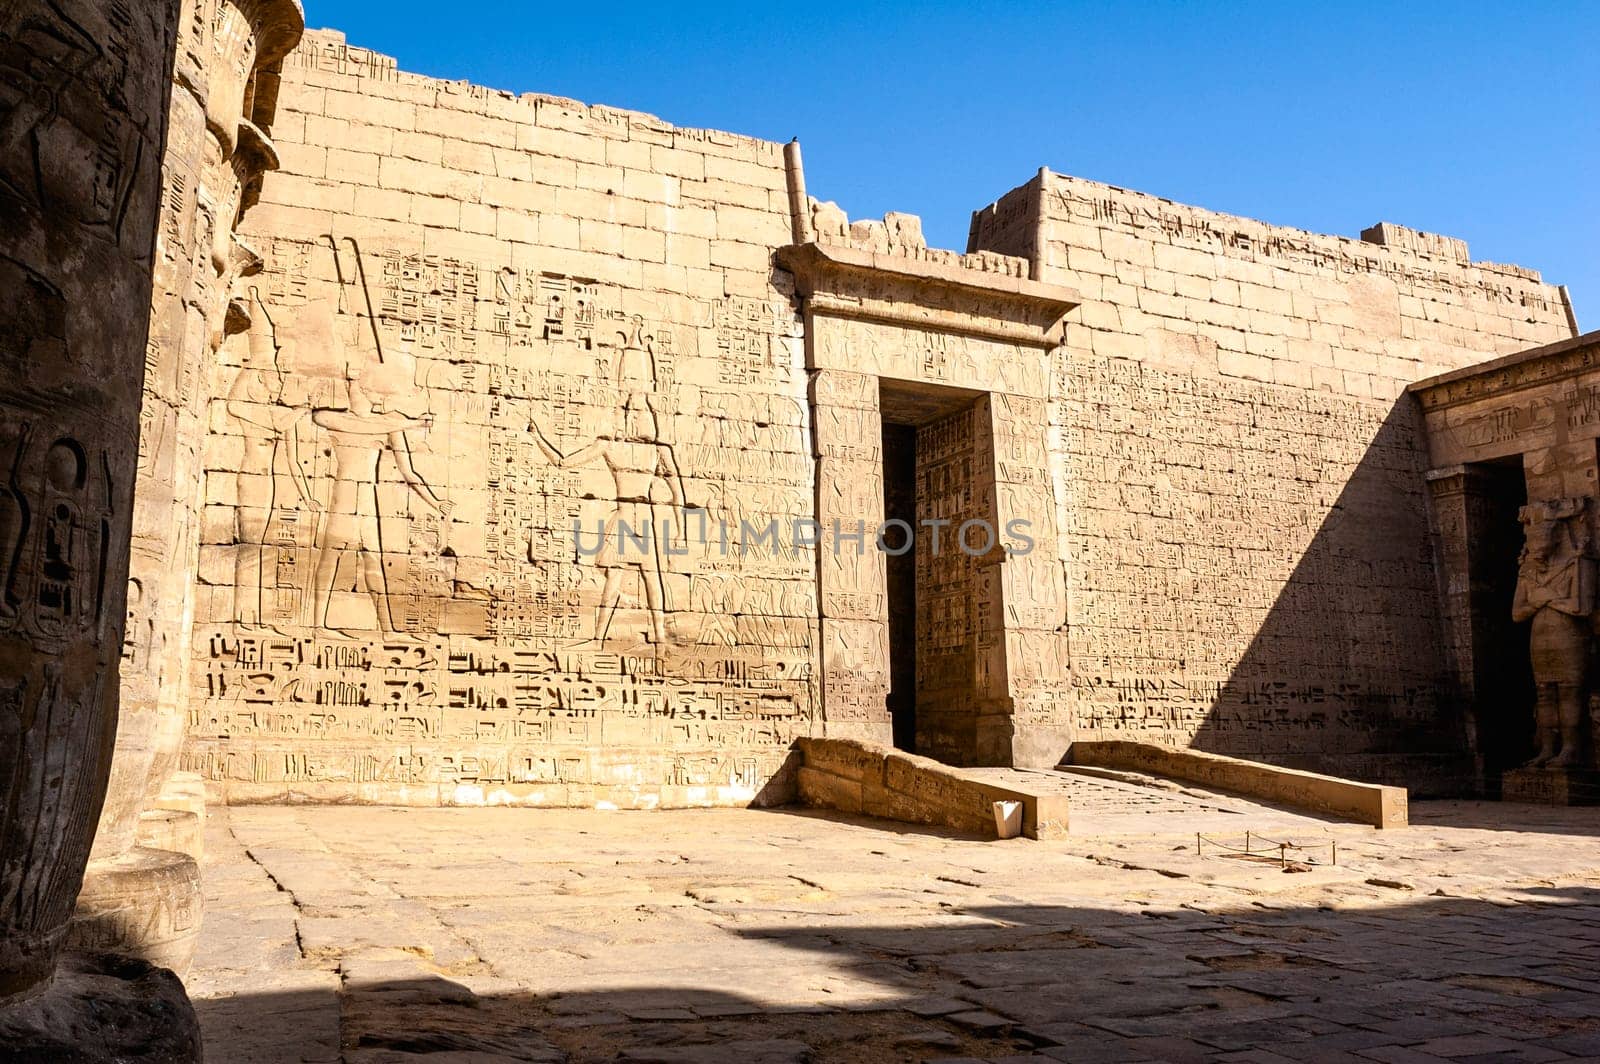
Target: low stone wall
859, 777
1371, 803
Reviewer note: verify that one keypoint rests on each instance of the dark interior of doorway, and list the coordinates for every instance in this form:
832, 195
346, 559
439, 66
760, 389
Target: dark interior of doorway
1505, 679
900, 503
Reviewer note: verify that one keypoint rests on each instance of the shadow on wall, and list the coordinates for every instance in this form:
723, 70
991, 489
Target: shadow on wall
1347, 673
999, 982
783, 786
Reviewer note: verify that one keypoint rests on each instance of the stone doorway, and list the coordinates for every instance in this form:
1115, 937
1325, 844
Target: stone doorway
1475, 510
1504, 737
935, 485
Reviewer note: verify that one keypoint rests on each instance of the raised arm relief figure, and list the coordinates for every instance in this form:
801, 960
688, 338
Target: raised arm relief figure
643, 466
361, 435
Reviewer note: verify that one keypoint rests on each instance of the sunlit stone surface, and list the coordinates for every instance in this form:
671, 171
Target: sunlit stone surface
711, 935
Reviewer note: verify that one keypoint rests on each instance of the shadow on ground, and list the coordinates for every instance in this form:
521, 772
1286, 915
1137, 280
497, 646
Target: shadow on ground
1514, 817
1415, 980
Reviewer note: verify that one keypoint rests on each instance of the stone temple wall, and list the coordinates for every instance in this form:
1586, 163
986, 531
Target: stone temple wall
482, 319
1241, 475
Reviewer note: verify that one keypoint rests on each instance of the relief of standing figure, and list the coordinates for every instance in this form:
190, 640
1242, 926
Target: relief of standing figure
361, 435
643, 467
371, 426
1556, 590
270, 429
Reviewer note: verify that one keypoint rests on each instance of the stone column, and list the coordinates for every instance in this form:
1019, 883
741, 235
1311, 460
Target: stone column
83, 104
141, 897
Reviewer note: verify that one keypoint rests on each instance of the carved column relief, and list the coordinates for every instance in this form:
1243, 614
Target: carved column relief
83, 100
217, 150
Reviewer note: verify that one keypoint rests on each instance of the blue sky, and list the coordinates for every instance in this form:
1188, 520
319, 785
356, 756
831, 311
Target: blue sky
1480, 121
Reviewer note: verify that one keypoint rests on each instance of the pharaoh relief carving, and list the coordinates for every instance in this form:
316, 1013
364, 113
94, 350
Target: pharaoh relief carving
473, 508
365, 417
375, 425
1556, 592
271, 430
646, 482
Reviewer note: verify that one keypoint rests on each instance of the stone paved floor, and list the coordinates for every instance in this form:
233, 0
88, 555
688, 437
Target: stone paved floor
449, 936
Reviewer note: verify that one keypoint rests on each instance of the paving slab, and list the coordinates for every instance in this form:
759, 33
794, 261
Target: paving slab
372, 934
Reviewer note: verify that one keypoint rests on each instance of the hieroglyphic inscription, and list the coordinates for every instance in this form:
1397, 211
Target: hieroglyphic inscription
1184, 611
458, 510
329, 52
949, 494
575, 316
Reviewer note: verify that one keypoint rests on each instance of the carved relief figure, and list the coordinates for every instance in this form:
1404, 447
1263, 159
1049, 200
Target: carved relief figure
1556, 590
361, 435
51, 511
643, 466
48, 121
270, 429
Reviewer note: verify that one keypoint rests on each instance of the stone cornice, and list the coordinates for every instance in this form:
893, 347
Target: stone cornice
853, 283
1525, 369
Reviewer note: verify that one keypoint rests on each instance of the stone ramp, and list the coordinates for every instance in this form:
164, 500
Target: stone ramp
1135, 803
1126, 797
1311, 792
852, 776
